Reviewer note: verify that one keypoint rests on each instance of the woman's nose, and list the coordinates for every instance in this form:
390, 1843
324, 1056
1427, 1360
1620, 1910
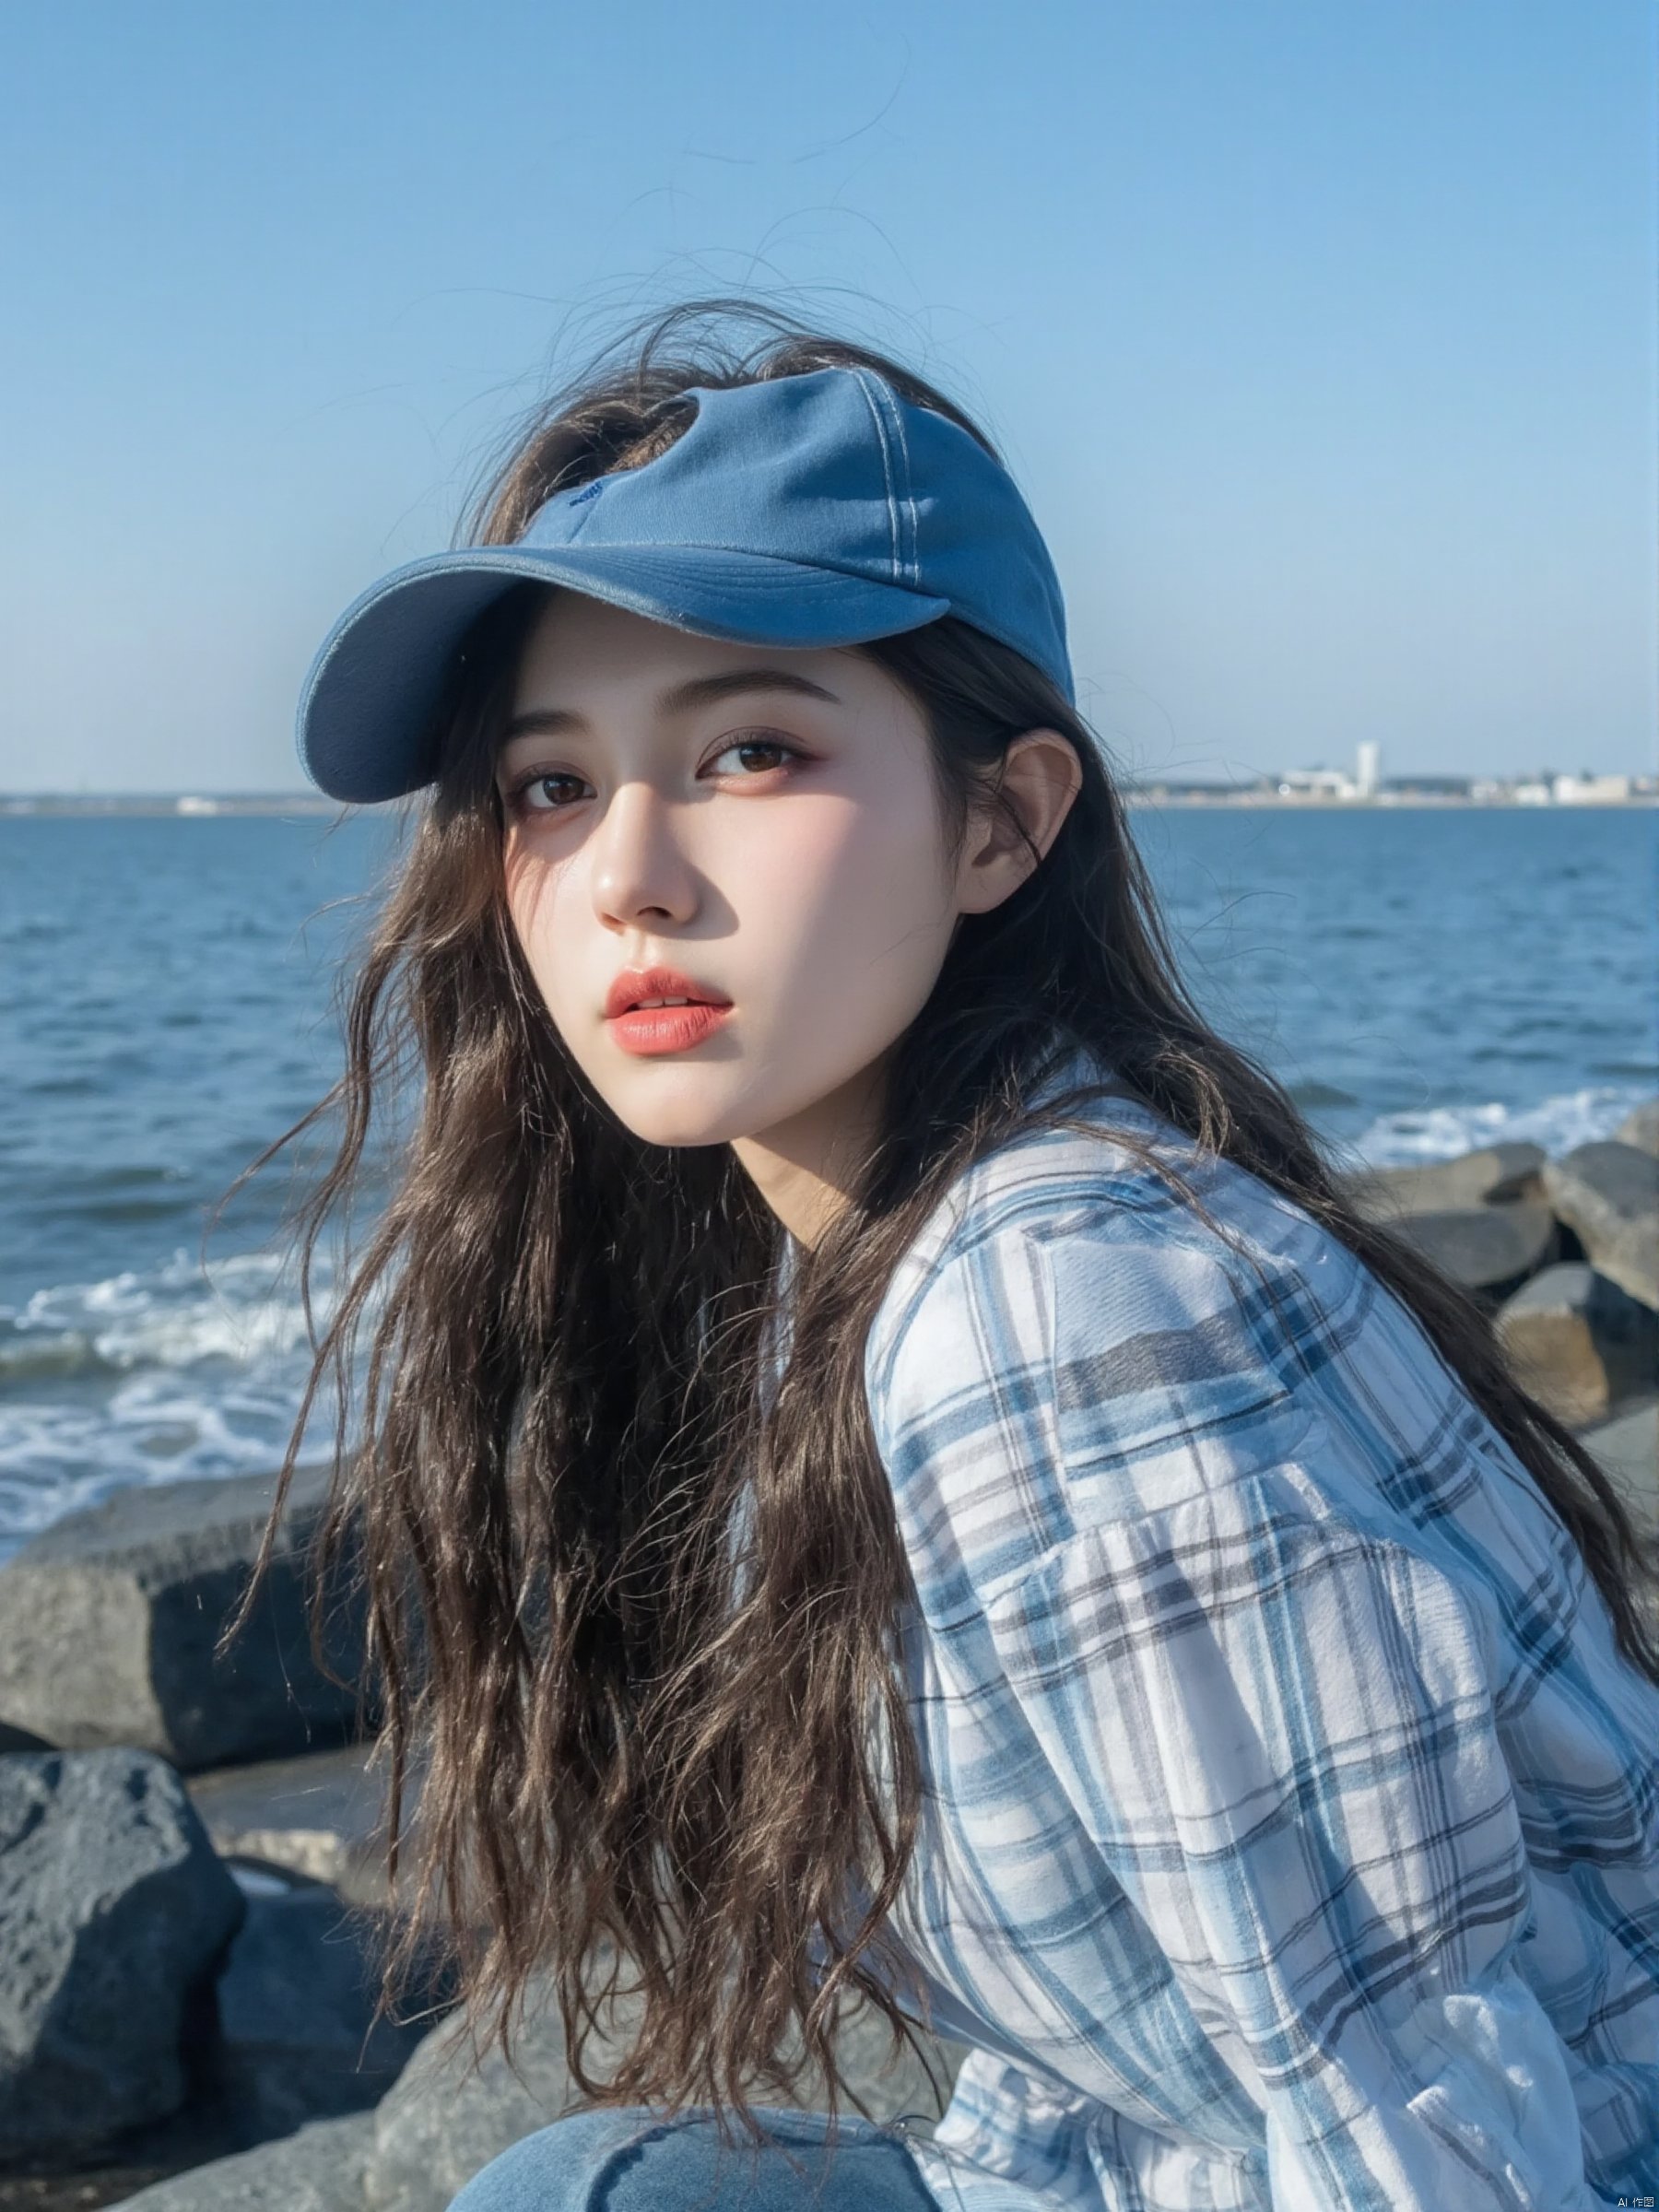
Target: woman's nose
639, 860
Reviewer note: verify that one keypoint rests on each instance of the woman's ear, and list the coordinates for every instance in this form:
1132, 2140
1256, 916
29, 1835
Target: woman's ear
1040, 777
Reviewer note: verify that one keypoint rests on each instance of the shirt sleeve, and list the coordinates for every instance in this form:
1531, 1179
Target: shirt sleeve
1276, 1727
1008, 2143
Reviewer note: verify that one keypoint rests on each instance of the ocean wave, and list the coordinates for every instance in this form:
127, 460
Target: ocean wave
153, 1375
174, 1316
1559, 1124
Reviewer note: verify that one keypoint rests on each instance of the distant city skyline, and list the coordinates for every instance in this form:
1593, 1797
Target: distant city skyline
1314, 786
1322, 341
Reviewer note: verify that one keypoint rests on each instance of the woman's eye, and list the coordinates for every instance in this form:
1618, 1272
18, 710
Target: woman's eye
522, 792
537, 792
758, 743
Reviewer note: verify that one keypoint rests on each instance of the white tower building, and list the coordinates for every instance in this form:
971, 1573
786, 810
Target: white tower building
1365, 768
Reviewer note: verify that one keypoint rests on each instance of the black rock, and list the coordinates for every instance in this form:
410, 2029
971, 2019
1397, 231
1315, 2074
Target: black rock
114, 1912
298, 2039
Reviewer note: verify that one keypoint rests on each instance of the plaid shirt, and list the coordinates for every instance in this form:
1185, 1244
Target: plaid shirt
1292, 1829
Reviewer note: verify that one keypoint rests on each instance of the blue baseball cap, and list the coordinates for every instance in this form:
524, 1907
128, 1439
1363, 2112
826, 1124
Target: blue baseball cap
808, 511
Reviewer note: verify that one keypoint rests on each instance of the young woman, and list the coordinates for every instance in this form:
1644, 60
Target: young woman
903, 1477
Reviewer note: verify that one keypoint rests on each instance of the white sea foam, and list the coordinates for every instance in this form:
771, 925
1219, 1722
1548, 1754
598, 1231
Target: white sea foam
242, 1309
1574, 1117
148, 1376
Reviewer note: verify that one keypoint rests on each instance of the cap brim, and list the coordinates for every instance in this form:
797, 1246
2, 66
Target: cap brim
366, 708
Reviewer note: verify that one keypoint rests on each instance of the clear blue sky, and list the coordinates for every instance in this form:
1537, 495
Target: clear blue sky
1320, 336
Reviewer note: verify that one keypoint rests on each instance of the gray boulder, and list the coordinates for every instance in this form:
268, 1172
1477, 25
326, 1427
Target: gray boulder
1491, 1250
318, 2170
1495, 1175
112, 1615
298, 2036
1608, 1193
320, 1815
113, 1913
1628, 1449
1578, 1342
1641, 1127
444, 2121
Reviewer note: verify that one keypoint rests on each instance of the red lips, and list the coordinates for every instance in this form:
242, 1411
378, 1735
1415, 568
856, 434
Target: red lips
635, 983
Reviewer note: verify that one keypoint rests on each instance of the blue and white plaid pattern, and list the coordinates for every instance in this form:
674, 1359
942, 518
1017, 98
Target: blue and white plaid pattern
1293, 1830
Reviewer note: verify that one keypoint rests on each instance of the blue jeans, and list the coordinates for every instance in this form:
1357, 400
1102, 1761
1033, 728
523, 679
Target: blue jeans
629, 2158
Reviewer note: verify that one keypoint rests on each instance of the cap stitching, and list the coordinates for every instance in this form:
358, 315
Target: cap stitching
897, 412
859, 377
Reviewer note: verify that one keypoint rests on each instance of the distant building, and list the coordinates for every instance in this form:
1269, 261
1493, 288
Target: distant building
191, 805
1324, 786
1591, 791
1315, 784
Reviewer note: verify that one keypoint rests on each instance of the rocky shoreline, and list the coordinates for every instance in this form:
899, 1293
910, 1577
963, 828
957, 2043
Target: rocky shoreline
191, 1882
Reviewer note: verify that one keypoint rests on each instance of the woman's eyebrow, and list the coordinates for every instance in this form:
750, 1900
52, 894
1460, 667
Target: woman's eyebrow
698, 691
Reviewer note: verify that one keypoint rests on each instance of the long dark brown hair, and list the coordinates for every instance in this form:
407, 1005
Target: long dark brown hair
640, 1747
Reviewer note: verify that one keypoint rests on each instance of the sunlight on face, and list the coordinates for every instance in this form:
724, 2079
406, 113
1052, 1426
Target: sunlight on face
779, 846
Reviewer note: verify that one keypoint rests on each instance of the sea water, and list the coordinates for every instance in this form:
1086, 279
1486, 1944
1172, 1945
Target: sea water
1423, 979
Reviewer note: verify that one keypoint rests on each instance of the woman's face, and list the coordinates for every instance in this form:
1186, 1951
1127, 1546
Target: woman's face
762, 821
